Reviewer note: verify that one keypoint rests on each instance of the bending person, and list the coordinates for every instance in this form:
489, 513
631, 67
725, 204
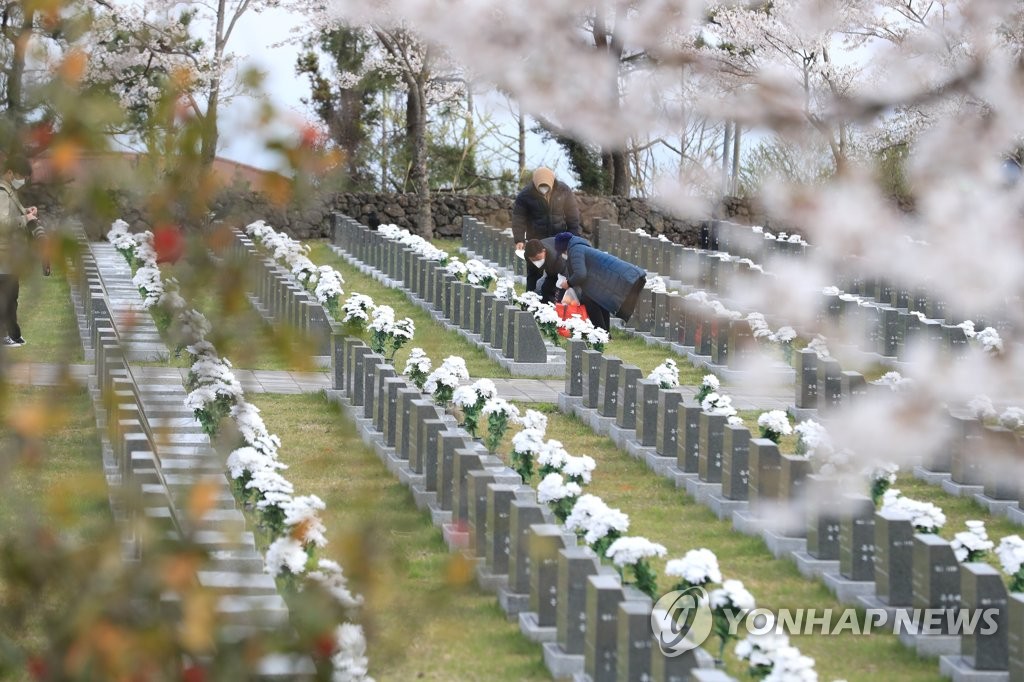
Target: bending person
542, 268
607, 285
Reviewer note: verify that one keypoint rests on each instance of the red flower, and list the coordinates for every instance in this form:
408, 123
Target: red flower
168, 243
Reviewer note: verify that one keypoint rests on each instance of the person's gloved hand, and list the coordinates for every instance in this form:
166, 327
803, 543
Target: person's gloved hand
46, 268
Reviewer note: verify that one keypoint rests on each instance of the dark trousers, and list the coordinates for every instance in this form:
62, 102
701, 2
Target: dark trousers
9, 306
599, 317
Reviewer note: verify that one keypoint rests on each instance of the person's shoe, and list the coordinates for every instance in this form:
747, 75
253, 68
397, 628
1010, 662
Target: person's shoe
11, 343
20, 341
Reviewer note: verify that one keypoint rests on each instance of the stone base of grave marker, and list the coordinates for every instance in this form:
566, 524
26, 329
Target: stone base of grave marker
423, 498
620, 436
1016, 515
782, 545
560, 664
456, 536
640, 452
849, 591
931, 477
710, 675
533, 631
489, 580
658, 464
513, 603
438, 516
929, 646
994, 506
961, 669
748, 523
567, 402
812, 567
700, 490
962, 490
723, 507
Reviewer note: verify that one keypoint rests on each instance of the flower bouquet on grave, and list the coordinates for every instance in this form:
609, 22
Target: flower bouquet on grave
417, 367
666, 374
453, 266
759, 651
560, 495
697, 568
244, 465
328, 290
551, 458
598, 524
1012, 418
479, 274
388, 334
442, 382
528, 301
729, 604
576, 328
526, 447
122, 240
774, 425
505, 289
882, 477
471, 400
784, 337
357, 308
925, 516
547, 321
633, 554
973, 544
708, 385
499, 413
1011, 558
721, 405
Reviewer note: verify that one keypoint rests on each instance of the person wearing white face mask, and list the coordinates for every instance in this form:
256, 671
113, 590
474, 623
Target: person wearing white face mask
16, 222
544, 208
542, 268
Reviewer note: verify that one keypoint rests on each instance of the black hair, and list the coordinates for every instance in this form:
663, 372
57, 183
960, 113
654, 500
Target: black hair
532, 248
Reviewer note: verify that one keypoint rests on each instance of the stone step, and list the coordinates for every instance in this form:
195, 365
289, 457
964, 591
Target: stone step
268, 610
240, 583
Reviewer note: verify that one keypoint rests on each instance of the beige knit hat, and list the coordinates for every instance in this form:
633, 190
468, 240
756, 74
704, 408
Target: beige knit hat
544, 176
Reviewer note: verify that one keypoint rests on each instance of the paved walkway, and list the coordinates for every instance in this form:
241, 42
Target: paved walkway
293, 383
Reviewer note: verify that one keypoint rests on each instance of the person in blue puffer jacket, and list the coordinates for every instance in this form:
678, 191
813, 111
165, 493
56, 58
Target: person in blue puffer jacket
607, 285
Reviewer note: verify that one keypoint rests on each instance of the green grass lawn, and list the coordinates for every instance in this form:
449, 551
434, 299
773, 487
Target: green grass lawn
47, 321
54, 494
424, 617
431, 336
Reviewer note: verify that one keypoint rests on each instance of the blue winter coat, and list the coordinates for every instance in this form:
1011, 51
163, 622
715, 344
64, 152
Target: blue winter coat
612, 283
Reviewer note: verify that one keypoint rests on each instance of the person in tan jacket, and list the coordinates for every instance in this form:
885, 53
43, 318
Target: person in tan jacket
16, 224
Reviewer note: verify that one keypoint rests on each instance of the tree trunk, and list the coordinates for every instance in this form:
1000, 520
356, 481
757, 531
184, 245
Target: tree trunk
620, 170
416, 128
737, 128
522, 145
16, 76
726, 149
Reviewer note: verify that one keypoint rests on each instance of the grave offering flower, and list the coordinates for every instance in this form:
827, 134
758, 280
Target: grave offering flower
505, 289
789, 665
213, 391
332, 579
389, 334
716, 403
990, 341
499, 413
253, 430
329, 289
666, 374
579, 329
579, 469
598, 524
552, 457
535, 420
357, 309
656, 284
812, 439
697, 568
633, 553
286, 556
548, 321
122, 240
457, 269
244, 463
302, 520
417, 367
558, 494
471, 400
442, 382
981, 407
349, 659
1012, 418
895, 381
774, 425
819, 346
882, 477
926, 517
1011, 558
529, 301
526, 447
480, 274
709, 384
728, 603
972, 544
759, 652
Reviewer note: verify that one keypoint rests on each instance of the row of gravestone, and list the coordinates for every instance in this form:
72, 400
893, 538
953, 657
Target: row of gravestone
591, 625
884, 328
869, 559
743, 241
510, 334
278, 298
159, 453
492, 245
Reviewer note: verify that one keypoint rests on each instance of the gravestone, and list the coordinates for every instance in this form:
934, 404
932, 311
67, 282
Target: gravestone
529, 345
857, 539
591, 360
894, 558
647, 397
1015, 635
966, 452
982, 587
545, 541
889, 335
720, 327
710, 446
407, 397
629, 377
936, 576
600, 646
634, 640
498, 533
608, 390
688, 439
668, 422
830, 384
741, 343
806, 379
822, 524
765, 469
574, 369
792, 476
853, 385
486, 315
735, 467
575, 565
522, 515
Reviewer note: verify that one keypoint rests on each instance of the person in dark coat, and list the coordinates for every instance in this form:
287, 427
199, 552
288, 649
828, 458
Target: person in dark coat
544, 208
607, 285
543, 266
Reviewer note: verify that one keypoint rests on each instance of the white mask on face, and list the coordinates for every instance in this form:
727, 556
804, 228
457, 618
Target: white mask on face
565, 256
18, 183
539, 263
543, 189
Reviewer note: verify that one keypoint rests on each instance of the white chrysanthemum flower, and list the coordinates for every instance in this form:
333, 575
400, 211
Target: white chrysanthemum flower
630, 550
973, 542
554, 488
697, 567
666, 374
330, 576
595, 519
349, 660
732, 595
285, 553
528, 441
535, 420
776, 421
